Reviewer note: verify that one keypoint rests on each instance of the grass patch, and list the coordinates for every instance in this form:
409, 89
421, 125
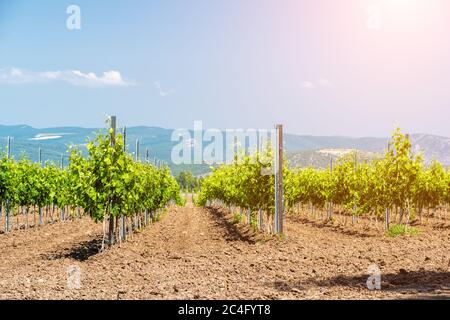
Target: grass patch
281, 236
237, 218
254, 225
157, 217
401, 229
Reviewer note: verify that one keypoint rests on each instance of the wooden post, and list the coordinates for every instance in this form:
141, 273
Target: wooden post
9, 147
388, 213
279, 180
330, 209
408, 217
137, 150
147, 155
113, 143
260, 219
355, 208
386, 219
40, 156
124, 139
8, 209
123, 230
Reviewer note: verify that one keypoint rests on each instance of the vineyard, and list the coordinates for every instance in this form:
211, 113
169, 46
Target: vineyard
107, 185
209, 245
398, 184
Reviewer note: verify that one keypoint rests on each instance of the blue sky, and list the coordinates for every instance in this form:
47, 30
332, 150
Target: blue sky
320, 67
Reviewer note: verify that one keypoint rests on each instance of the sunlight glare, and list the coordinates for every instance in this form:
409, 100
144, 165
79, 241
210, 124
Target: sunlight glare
409, 10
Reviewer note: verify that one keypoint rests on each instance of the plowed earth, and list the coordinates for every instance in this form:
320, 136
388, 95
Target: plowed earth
198, 253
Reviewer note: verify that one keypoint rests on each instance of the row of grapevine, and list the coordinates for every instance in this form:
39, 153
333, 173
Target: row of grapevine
398, 181
28, 187
247, 183
105, 184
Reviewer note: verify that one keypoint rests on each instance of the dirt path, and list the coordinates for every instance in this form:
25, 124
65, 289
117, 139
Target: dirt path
197, 253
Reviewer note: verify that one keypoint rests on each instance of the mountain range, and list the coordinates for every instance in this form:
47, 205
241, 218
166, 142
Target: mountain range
301, 150
316, 151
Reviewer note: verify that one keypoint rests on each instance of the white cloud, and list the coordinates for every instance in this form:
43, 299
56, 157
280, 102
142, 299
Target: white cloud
74, 77
16, 72
161, 92
308, 85
321, 83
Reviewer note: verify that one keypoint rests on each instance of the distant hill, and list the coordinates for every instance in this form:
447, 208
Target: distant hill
322, 158
309, 150
301, 150
433, 147
302, 143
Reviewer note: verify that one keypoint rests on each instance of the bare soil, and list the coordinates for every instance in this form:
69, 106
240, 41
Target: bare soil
198, 253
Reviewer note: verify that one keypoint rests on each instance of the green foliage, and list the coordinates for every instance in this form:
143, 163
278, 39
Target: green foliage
188, 182
106, 183
110, 183
157, 217
244, 183
398, 180
400, 229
